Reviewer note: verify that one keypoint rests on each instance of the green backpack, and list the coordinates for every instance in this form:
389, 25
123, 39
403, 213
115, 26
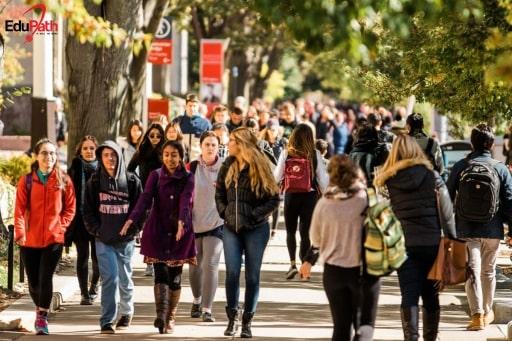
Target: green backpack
384, 245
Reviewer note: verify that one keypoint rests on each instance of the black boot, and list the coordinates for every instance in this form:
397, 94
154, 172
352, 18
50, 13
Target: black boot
162, 305
232, 327
246, 325
410, 318
430, 324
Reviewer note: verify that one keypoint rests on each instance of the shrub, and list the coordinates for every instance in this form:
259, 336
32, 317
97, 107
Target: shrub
15, 167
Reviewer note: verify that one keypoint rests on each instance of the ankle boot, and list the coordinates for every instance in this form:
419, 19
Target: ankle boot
174, 298
246, 325
162, 305
430, 324
410, 323
232, 327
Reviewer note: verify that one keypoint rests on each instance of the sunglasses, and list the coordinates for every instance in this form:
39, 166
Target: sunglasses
155, 136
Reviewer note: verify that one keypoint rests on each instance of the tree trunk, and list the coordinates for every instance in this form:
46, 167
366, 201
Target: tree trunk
237, 58
132, 106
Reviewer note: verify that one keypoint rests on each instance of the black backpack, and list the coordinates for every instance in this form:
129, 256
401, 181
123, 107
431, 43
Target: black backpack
478, 192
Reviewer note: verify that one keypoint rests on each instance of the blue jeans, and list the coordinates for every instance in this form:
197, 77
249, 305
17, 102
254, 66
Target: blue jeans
115, 271
251, 243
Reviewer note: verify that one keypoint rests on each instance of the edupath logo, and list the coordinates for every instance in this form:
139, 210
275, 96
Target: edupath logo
33, 26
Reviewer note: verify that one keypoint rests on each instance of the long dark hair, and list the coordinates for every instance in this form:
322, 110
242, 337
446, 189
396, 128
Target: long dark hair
302, 143
132, 124
145, 147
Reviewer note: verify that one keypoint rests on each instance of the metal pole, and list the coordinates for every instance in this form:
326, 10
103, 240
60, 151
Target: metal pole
22, 270
10, 259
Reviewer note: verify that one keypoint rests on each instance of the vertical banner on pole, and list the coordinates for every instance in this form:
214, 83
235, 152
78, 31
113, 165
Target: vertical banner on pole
161, 47
211, 71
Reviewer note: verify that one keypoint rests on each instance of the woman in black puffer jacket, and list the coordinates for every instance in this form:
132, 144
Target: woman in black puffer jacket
82, 167
413, 189
246, 196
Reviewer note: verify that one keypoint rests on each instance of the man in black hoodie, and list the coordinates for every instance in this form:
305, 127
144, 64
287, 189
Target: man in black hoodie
111, 194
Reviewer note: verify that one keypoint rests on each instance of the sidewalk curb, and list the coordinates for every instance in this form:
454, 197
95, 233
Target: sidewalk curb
64, 288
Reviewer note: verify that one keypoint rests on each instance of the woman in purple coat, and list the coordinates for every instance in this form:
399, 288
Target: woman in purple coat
168, 238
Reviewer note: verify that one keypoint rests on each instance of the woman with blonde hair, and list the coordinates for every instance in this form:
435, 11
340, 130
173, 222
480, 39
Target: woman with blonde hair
245, 196
421, 202
299, 202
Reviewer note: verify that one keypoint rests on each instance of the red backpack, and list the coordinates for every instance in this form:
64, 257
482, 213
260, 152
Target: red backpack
297, 176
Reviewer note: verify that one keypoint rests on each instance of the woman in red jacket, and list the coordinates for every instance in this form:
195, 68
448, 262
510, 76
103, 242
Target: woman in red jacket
45, 206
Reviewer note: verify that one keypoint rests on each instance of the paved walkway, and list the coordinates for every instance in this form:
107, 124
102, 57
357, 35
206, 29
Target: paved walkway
287, 310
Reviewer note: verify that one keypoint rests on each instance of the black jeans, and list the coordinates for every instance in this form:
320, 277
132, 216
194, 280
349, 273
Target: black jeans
82, 264
344, 299
412, 277
170, 275
298, 207
40, 264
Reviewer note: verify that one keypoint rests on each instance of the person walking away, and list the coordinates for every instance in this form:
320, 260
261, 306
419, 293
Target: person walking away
168, 239
415, 192
482, 190
83, 166
337, 233
431, 148
45, 206
192, 125
110, 196
246, 194
208, 228
148, 158
300, 161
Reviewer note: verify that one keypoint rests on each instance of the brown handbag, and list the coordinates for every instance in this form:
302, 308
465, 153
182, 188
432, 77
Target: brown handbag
451, 264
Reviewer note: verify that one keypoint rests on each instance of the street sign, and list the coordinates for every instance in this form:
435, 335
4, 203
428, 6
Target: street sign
157, 108
161, 47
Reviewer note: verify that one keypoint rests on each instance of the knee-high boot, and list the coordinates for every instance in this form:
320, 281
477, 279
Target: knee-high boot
430, 324
174, 298
410, 318
162, 305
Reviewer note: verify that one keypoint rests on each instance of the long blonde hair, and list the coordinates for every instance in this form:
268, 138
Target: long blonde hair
404, 149
262, 180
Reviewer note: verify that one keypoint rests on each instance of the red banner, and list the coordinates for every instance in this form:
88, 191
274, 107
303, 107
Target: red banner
157, 108
161, 52
212, 61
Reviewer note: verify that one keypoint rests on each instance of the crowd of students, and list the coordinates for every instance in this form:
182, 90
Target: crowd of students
198, 187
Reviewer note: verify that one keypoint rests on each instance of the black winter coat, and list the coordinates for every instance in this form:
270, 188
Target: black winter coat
412, 191
238, 205
76, 230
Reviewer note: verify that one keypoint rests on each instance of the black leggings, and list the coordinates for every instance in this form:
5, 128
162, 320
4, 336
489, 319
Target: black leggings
40, 264
170, 275
298, 206
82, 264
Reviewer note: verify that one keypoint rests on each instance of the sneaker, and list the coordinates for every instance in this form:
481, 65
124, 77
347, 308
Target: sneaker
86, 300
207, 317
107, 329
41, 324
149, 270
292, 272
488, 318
195, 311
476, 323
123, 322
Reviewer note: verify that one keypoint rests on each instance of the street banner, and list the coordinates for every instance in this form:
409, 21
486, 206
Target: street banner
161, 47
157, 108
211, 70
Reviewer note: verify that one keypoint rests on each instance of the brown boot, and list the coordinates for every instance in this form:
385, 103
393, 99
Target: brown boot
476, 323
174, 298
162, 306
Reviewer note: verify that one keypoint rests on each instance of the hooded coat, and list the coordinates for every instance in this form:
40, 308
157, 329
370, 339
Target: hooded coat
109, 200
413, 189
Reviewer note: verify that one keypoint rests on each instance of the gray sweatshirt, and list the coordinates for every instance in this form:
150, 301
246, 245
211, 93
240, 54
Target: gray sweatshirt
204, 212
337, 226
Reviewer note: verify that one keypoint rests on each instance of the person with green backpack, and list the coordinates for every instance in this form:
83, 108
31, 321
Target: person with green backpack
421, 202
338, 240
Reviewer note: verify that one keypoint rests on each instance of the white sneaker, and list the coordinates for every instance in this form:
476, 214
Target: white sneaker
149, 270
